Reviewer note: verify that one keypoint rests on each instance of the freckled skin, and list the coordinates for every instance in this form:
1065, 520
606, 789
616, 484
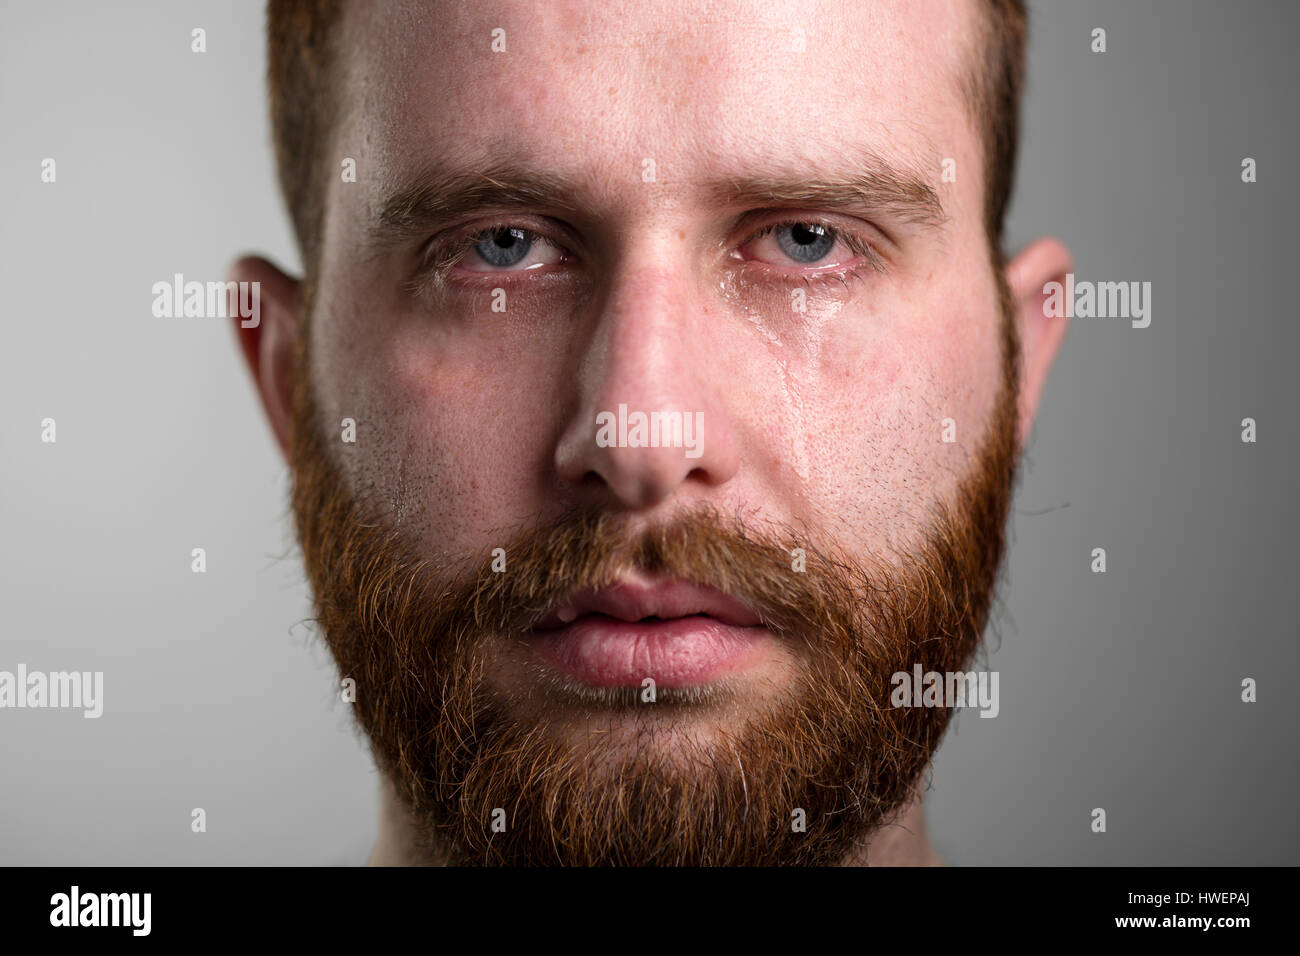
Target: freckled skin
471, 422
474, 421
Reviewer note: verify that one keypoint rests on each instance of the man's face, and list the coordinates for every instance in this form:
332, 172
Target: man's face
738, 213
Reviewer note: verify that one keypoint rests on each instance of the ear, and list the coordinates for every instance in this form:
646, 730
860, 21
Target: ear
1041, 335
268, 340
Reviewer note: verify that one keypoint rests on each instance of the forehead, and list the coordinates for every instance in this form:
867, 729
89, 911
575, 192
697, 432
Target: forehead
694, 86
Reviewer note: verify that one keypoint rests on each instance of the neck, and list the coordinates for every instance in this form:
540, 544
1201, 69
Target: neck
903, 842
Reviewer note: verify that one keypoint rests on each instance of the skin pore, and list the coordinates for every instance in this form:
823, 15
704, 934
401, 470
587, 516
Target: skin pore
660, 163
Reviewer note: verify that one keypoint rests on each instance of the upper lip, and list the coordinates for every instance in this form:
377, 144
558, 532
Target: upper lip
633, 600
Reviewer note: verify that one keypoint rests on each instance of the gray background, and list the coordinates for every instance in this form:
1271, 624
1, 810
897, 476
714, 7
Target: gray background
1118, 690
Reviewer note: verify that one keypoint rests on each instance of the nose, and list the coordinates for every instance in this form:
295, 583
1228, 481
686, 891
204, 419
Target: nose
650, 421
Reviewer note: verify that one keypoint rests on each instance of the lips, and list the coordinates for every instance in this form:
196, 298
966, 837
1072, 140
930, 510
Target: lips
672, 631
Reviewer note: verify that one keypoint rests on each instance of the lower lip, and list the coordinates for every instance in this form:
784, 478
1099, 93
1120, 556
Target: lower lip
605, 652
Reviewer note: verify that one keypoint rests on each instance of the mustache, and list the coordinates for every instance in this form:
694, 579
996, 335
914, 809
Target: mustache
794, 583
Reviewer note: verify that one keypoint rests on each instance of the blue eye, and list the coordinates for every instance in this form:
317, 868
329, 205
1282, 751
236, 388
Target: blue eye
503, 247
805, 241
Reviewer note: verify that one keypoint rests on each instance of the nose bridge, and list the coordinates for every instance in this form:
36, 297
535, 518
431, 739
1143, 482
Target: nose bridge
647, 324
647, 418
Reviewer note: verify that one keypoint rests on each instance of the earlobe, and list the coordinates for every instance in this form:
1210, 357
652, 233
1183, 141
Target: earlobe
1041, 262
268, 343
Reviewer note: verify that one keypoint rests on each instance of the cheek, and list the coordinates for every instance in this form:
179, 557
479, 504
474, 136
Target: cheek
875, 429
448, 441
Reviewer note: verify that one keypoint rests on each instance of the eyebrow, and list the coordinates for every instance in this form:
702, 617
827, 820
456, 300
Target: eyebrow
875, 186
437, 199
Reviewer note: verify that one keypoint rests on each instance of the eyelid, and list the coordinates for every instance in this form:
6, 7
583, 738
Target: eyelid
850, 237
444, 249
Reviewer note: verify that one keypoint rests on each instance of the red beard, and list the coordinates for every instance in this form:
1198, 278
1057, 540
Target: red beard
488, 781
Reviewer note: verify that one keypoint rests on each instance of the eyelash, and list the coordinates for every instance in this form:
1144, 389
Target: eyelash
856, 244
438, 262
443, 257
